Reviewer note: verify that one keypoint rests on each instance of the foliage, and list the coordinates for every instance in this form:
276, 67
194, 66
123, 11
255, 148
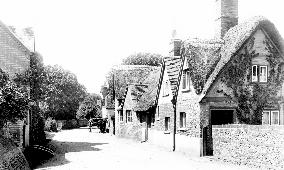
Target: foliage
13, 100
63, 93
90, 107
253, 97
143, 59
50, 125
37, 134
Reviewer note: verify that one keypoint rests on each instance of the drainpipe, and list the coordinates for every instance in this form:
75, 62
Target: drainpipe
175, 125
174, 100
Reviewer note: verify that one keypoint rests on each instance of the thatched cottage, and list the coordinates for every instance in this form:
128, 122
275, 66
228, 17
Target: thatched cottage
235, 78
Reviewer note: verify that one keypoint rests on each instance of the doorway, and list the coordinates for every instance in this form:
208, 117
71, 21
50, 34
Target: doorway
222, 116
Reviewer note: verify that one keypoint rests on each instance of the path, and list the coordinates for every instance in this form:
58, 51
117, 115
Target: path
79, 149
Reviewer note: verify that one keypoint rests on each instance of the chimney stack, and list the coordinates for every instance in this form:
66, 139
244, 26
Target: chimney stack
226, 16
175, 45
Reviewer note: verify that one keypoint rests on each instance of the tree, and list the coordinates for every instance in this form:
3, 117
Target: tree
143, 59
90, 107
63, 93
34, 79
13, 100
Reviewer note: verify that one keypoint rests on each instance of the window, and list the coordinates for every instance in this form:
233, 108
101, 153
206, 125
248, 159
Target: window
128, 116
259, 74
167, 123
182, 120
165, 88
254, 73
158, 112
185, 80
120, 112
275, 117
263, 74
270, 117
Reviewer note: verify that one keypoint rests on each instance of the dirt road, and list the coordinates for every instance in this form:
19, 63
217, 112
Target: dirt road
79, 149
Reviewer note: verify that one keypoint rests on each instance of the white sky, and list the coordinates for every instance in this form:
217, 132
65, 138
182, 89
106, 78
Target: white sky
87, 37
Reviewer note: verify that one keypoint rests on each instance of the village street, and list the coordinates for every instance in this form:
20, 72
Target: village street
81, 149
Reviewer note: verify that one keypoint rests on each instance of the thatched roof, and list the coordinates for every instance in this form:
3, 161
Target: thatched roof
145, 92
202, 56
173, 68
236, 37
130, 74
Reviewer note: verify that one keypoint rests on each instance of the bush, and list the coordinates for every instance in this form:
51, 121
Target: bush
50, 125
37, 134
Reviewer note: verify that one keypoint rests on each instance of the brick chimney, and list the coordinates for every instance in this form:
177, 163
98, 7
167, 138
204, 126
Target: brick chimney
226, 16
175, 45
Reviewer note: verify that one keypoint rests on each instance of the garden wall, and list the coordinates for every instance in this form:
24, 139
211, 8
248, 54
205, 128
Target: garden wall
256, 145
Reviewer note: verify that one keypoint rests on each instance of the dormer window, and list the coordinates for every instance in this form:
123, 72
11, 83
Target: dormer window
166, 88
185, 80
259, 74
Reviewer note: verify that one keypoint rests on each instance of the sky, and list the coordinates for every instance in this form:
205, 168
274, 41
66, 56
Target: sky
88, 37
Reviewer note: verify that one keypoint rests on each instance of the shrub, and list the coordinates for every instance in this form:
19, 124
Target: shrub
50, 125
37, 134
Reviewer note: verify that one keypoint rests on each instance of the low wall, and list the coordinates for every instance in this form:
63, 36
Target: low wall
185, 144
256, 145
11, 157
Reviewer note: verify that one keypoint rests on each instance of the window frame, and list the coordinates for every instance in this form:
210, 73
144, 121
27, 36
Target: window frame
266, 72
270, 117
120, 114
182, 120
165, 89
185, 80
129, 116
167, 123
254, 78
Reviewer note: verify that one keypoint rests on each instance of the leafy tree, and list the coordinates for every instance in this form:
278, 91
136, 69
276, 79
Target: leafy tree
34, 78
13, 100
143, 59
63, 93
90, 107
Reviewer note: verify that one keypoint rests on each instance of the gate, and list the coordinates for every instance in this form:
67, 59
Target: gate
207, 141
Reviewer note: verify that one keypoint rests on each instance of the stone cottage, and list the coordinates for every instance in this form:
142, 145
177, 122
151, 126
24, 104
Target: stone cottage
235, 78
15, 58
135, 98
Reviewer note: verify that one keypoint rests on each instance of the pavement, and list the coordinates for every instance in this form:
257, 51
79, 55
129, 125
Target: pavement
80, 149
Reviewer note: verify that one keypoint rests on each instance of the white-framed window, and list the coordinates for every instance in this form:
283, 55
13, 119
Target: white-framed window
166, 88
185, 80
129, 116
274, 118
270, 117
182, 120
120, 113
167, 123
259, 73
263, 74
254, 73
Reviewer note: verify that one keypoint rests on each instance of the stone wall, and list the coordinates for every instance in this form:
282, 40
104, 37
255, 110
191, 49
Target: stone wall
256, 145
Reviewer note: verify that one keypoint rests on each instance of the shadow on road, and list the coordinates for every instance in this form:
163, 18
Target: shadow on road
61, 148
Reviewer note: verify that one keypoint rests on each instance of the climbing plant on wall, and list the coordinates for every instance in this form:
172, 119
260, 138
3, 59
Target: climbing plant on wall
252, 98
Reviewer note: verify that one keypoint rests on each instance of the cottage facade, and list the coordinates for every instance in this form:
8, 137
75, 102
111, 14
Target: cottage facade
135, 108
219, 82
14, 58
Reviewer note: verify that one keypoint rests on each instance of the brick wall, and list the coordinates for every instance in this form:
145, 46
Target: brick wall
13, 59
256, 145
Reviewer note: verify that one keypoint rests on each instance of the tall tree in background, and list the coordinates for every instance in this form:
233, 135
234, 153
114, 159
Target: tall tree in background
63, 93
143, 59
90, 107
